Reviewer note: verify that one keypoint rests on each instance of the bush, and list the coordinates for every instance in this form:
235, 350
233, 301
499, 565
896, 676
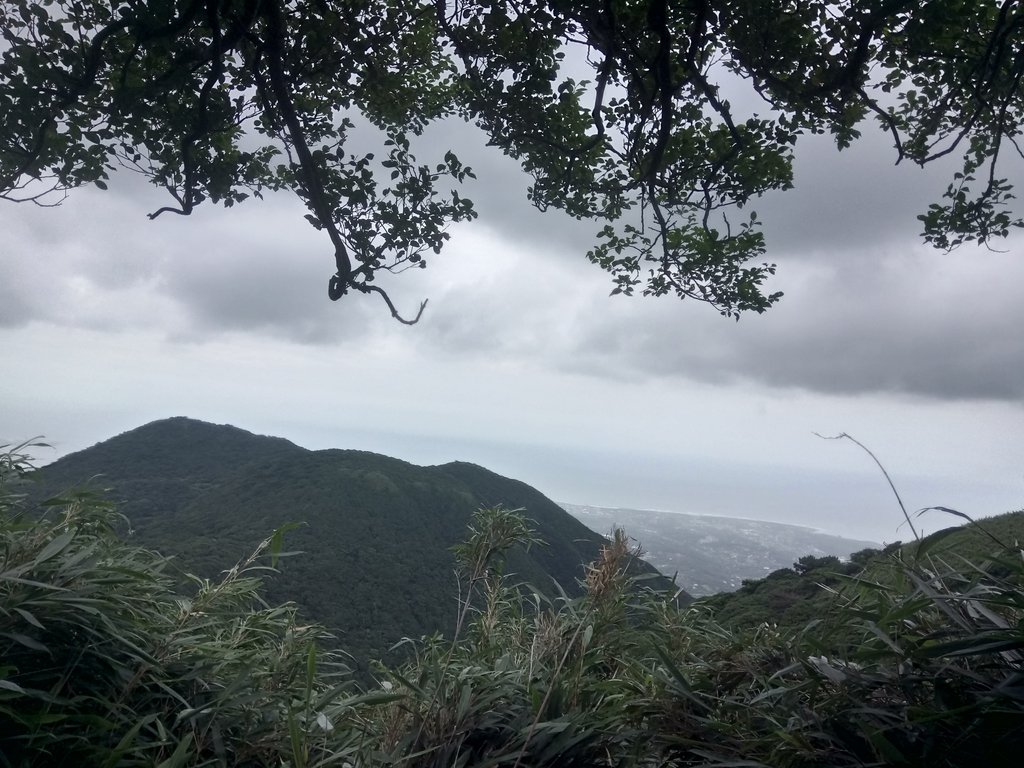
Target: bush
104, 663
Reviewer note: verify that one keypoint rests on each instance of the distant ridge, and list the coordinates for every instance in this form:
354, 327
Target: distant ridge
376, 530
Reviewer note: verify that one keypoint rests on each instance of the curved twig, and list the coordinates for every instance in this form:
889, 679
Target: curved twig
387, 300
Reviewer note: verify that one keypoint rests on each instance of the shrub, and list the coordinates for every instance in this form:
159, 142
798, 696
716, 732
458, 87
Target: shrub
104, 663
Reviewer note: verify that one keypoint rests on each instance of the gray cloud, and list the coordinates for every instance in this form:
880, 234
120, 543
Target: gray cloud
14, 306
69, 265
98, 262
500, 193
254, 275
851, 200
867, 309
911, 324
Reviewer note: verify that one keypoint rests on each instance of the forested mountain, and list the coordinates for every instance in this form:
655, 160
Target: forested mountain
375, 531
713, 554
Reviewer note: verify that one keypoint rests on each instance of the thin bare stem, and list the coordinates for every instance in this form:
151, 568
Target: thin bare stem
867, 450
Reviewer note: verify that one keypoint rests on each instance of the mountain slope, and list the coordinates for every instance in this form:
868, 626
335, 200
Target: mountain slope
376, 531
790, 598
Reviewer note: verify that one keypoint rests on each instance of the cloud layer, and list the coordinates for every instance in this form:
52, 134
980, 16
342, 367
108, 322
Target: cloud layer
867, 308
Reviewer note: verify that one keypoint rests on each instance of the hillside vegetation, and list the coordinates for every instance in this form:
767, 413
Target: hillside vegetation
375, 533
817, 587
107, 660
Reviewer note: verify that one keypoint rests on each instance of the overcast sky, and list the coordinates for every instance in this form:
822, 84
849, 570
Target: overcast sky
523, 362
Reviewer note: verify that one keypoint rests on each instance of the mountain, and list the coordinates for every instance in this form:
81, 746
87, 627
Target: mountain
794, 597
375, 535
714, 554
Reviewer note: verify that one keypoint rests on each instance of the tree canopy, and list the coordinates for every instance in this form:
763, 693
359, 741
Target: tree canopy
616, 109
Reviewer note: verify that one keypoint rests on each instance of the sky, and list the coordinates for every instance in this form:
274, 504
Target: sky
525, 364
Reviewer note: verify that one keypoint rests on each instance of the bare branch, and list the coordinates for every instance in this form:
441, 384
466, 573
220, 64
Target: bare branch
387, 300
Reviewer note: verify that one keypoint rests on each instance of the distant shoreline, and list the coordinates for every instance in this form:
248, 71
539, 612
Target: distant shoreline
581, 508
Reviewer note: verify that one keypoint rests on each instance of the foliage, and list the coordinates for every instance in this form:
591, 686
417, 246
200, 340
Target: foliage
810, 563
815, 587
924, 671
534, 682
104, 664
219, 100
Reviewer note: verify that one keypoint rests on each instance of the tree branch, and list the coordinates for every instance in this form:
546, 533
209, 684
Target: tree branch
387, 300
309, 169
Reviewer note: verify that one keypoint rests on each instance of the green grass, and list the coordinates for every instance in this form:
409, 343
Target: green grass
919, 662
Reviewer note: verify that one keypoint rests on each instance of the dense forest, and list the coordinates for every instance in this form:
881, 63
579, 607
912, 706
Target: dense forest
374, 532
913, 657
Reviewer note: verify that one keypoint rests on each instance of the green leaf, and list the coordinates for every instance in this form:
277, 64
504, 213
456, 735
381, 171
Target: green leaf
55, 546
119, 751
928, 543
310, 670
26, 641
7, 685
277, 541
295, 739
29, 618
179, 757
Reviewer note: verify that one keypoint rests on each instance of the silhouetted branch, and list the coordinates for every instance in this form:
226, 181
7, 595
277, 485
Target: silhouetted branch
387, 300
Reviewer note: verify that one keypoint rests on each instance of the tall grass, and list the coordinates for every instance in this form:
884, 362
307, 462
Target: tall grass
919, 664
103, 661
